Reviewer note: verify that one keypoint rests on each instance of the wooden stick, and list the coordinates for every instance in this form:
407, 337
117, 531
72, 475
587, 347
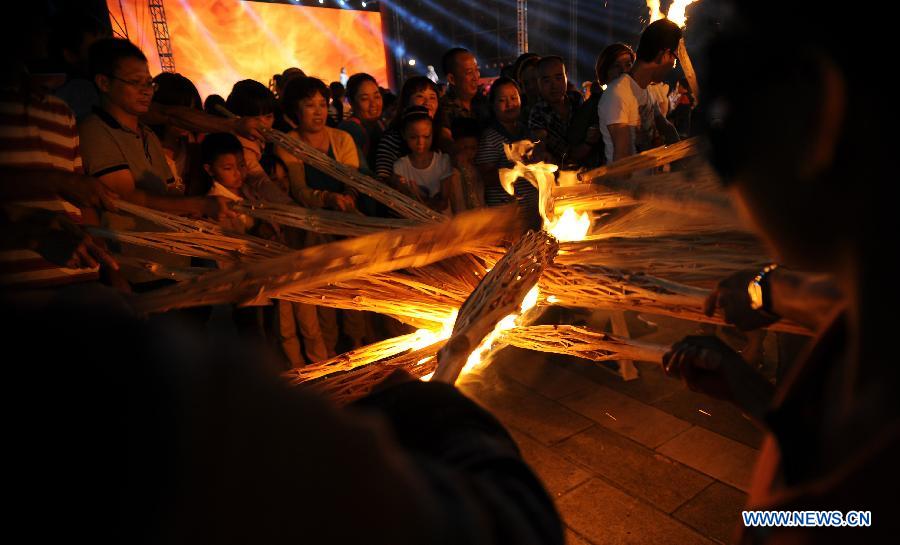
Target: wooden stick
652, 158
338, 261
499, 294
582, 342
602, 287
327, 222
402, 204
688, 68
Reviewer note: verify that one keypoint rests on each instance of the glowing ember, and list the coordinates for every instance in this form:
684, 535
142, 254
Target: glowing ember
703, 412
569, 226
676, 11
427, 337
611, 416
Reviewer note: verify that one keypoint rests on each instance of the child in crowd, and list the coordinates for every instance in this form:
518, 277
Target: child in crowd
423, 172
466, 187
223, 160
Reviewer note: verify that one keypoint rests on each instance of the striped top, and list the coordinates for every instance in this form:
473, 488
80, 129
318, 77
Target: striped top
390, 148
490, 153
39, 133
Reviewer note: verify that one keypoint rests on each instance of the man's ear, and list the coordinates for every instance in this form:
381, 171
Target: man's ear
102, 82
208, 169
832, 107
658, 59
451, 79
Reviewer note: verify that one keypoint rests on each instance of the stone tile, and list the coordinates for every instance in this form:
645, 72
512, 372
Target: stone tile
651, 385
558, 474
715, 512
633, 468
547, 374
574, 539
722, 458
625, 415
602, 513
719, 416
520, 408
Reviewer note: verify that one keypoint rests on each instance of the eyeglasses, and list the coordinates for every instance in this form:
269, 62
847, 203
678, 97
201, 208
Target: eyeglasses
145, 84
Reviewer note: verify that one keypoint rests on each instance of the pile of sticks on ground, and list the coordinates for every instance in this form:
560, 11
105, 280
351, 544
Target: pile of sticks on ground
436, 273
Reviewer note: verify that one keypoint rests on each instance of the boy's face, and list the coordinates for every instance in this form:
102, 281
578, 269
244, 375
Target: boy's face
228, 169
418, 136
465, 149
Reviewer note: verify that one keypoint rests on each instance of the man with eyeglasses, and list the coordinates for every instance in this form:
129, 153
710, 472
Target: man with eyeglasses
125, 154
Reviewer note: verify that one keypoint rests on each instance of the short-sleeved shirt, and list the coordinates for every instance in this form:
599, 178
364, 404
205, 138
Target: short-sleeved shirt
625, 102
450, 107
109, 147
390, 148
39, 133
544, 117
429, 177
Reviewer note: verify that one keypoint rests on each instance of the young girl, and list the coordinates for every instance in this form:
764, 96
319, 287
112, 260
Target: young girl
423, 172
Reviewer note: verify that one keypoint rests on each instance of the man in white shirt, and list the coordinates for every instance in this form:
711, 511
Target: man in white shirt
630, 120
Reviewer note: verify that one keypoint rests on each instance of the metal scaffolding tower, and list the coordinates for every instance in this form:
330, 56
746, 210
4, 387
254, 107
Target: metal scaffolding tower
161, 33
522, 25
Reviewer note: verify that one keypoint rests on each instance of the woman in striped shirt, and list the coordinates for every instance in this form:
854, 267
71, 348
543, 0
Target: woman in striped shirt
417, 91
506, 127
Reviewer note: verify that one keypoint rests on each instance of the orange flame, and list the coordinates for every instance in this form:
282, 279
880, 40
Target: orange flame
675, 14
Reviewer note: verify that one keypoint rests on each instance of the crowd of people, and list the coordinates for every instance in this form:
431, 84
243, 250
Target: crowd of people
211, 449
151, 141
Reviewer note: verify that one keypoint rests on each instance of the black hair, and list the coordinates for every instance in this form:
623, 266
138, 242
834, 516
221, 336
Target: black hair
354, 83
520, 60
496, 85
336, 88
526, 63
448, 60
544, 61
607, 57
465, 127
659, 36
105, 54
210, 105
250, 98
174, 90
413, 114
301, 89
219, 143
410, 87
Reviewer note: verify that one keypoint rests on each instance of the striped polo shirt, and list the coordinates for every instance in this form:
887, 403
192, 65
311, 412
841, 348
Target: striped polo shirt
38, 132
490, 153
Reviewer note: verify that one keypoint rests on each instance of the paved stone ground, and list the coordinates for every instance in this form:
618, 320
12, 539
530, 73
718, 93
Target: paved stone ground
645, 461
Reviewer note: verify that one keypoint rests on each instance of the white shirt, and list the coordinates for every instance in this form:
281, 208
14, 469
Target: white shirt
624, 101
430, 177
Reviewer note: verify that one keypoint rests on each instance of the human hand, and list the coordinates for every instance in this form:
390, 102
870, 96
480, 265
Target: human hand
66, 244
217, 208
249, 127
708, 365
342, 202
732, 297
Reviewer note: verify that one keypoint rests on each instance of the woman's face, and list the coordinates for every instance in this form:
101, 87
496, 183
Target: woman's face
312, 112
507, 104
426, 97
266, 120
621, 66
418, 136
367, 103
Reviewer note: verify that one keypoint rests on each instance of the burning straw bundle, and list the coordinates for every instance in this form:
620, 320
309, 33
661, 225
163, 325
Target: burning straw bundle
499, 294
581, 342
328, 222
218, 246
652, 158
602, 287
338, 261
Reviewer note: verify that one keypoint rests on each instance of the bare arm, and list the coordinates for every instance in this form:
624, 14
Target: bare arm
122, 183
620, 134
808, 299
199, 121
